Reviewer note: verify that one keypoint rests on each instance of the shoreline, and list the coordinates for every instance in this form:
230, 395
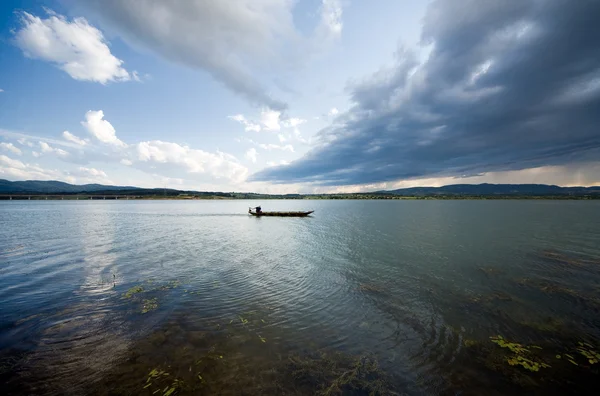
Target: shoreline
101, 197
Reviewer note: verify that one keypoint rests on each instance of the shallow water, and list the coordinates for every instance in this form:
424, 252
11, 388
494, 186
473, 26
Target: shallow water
418, 287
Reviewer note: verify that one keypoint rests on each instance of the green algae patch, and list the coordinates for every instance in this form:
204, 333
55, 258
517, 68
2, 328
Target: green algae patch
512, 346
526, 363
145, 293
589, 352
149, 305
156, 379
151, 286
174, 387
521, 355
571, 359
153, 375
170, 285
133, 291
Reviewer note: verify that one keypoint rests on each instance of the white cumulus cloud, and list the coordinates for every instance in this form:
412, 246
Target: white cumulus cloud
9, 162
76, 47
93, 172
46, 148
251, 154
72, 138
270, 119
101, 129
248, 125
24, 142
280, 163
83, 175
15, 169
126, 162
271, 146
10, 147
217, 165
293, 122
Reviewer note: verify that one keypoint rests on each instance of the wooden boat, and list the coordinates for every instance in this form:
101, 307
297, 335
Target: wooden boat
258, 212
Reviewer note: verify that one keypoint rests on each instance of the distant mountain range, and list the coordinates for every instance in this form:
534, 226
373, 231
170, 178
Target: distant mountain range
54, 187
42, 187
495, 189
57, 187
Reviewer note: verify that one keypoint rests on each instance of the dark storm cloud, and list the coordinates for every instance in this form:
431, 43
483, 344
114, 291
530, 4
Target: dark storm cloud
508, 85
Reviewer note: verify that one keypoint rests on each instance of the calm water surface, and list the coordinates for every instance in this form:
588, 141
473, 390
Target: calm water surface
404, 295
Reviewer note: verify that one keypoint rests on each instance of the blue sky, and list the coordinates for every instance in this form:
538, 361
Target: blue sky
298, 96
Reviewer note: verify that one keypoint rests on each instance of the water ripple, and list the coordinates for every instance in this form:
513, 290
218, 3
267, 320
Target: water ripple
411, 282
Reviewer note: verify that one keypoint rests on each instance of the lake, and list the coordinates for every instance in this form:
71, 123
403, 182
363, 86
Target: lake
384, 297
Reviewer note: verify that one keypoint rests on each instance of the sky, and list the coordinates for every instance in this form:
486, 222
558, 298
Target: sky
309, 96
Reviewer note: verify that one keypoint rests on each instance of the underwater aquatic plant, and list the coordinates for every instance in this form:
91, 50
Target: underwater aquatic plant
571, 359
528, 364
134, 290
149, 305
518, 359
154, 374
513, 346
588, 352
169, 390
336, 374
170, 285
469, 343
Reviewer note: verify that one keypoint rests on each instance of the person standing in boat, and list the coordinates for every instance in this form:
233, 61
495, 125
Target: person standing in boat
258, 210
